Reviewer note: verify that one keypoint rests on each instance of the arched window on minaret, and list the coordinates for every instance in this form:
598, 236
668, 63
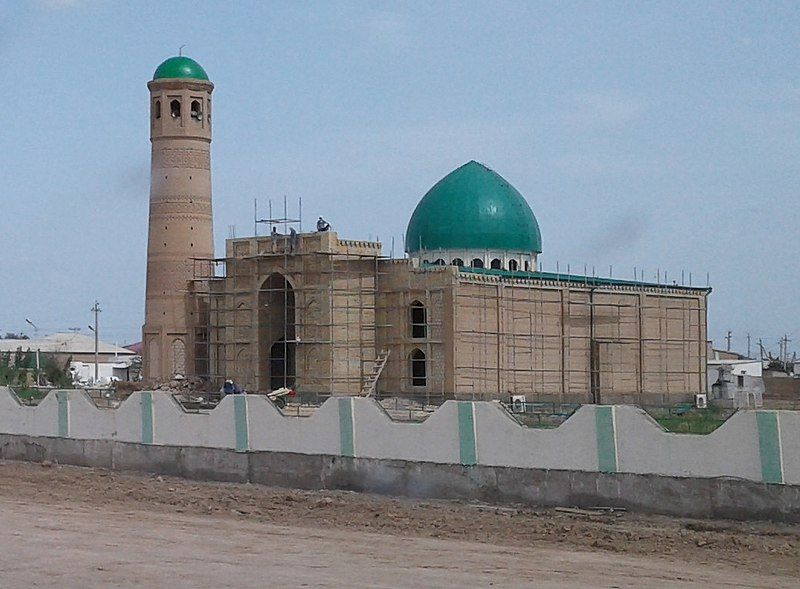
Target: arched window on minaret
196, 110
158, 109
175, 109
178, 357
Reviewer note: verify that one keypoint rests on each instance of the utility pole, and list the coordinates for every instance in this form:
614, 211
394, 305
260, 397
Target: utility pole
38, 364
748, 345
761, 348
96, 310
728, 338
785, 355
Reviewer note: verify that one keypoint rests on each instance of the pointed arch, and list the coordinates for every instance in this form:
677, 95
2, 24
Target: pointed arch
419, 320
153, 359
178, 357
418, 368
276, 333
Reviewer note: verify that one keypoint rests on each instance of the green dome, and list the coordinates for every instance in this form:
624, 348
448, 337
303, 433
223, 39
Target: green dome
180, 67
473, 207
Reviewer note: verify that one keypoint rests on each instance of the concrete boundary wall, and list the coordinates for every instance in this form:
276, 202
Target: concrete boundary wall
760, 446
686, 497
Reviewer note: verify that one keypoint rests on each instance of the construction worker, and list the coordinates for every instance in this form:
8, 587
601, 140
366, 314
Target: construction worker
323, 225
230, 388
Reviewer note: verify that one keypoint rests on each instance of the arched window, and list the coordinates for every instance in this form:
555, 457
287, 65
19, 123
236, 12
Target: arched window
419, 372
178, 357
157, 108
527, 266
196, 111
513, 265
477, 263
419, 320
175, 109
153, 359
497, 264
439, 262
458, 262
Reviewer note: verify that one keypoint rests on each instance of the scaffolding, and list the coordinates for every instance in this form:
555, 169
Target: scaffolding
288, 309
322, 315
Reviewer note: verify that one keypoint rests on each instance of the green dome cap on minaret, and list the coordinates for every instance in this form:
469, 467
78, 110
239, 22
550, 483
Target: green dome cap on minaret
473, 207
180, 67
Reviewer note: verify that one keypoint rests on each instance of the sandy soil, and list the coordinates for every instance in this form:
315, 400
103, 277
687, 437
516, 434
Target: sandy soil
73, 527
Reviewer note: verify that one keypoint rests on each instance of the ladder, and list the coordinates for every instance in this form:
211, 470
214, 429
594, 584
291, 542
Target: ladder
371, 380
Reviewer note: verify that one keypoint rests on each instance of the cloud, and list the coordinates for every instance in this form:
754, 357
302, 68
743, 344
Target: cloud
133, 180
619, 234
13, 23
602, 110
388, 28
60, 4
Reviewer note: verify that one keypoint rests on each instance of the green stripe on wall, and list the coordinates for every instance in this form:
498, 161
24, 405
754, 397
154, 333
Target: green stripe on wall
240, 422
467, 449
63, 414
606, 439
146, 400
769, 447
346, 434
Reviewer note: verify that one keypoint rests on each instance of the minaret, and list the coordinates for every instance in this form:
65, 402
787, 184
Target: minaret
180, 226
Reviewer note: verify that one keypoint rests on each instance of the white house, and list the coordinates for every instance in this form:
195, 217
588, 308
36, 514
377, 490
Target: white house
113, 361
735, 382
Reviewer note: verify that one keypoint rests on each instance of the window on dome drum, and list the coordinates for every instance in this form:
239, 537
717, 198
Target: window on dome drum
497, 264
513, 266
458, 262
175, 109
439, 262
527, 266
158, 109
419, 320
196, 112
477, 263
419, 372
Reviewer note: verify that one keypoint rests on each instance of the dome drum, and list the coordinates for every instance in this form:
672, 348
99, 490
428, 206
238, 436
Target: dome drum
470, 258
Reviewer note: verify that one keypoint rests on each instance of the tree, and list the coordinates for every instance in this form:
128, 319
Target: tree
12, 335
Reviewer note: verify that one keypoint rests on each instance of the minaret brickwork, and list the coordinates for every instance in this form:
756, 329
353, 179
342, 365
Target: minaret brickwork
180, 224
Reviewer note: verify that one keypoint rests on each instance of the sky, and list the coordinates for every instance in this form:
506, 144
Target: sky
662, 136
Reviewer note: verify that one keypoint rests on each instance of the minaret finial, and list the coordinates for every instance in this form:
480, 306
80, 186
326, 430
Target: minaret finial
180, 50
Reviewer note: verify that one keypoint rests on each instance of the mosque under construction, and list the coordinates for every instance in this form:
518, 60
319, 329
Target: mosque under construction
466, 314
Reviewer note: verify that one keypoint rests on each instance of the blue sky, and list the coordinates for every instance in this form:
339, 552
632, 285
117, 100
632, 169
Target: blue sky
656, 135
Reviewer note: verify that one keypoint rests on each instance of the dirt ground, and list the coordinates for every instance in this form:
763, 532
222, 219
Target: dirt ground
74, 527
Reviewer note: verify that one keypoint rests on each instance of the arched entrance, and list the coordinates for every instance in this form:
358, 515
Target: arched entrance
276, 333
282, 364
